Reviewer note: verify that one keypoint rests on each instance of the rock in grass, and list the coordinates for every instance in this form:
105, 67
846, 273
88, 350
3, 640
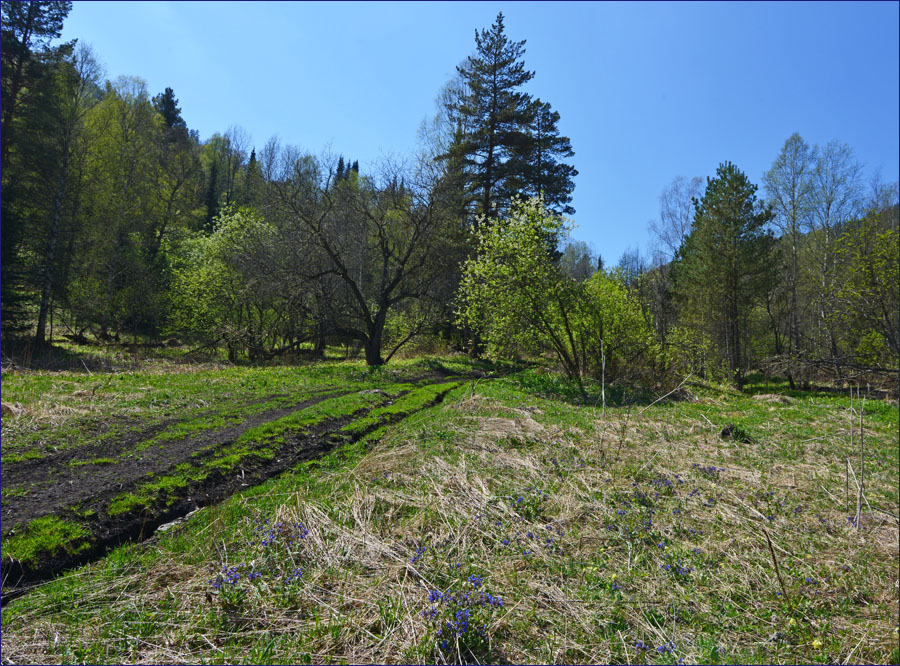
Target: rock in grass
10, 409
738, 434
774, 397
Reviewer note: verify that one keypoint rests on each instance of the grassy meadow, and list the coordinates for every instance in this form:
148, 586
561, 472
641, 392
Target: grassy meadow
514, 521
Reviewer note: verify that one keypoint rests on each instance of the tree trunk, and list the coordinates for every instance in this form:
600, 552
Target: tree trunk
319, 349
735, 333
372, 343
373, 350
51, 249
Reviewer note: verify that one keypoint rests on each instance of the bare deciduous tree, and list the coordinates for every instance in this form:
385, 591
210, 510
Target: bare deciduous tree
385, 242
789, 185
676, 213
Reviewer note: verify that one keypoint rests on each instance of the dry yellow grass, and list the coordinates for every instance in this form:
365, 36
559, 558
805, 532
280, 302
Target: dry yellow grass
450, 484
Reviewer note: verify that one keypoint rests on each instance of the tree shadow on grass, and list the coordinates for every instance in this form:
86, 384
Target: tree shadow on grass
758, 383
19, 355
559, 387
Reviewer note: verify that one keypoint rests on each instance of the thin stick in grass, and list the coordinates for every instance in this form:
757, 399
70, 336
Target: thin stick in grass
775, 561
847, 467
861, 480
862, 458
847, 485
861, 495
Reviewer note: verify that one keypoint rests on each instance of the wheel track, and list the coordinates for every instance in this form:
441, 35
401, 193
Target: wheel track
107, 532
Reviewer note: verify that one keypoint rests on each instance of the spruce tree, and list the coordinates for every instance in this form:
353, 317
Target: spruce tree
166, 105
496, 114
545, 174
27, 29
725, 262
253, 182
27, 63
505, 144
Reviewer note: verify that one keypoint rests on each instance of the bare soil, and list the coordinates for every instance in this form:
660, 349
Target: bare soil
57, 488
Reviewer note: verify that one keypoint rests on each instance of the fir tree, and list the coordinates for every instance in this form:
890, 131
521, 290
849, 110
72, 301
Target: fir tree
725, 262
167, 106
253, 182
496, 114
545, 174
506, 144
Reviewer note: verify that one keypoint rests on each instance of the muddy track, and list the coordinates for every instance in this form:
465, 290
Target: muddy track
115, 436
107, 531
54, 484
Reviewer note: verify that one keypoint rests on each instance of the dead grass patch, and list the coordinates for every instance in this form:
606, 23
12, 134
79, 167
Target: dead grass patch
615, 501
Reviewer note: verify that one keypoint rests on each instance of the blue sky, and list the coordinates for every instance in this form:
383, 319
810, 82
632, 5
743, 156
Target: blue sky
646, 91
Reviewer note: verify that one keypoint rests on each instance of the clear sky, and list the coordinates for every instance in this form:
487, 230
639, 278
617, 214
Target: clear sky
646, 91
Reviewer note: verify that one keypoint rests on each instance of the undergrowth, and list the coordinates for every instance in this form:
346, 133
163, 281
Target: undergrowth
514, 523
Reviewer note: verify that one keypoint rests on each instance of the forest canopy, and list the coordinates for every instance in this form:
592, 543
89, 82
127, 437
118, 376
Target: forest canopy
119, 221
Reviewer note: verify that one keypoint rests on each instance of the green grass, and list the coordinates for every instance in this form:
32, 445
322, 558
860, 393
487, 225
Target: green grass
602, 535
414, 400
150, 492
21, 491
45, 535
21, 457
253, 443
68, 410
93, 461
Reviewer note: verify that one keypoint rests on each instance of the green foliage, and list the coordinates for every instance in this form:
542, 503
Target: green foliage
689, 350
868, 294
614, 325
118, 278
519, 301
510, 291
45, 535
725, 263
221, 290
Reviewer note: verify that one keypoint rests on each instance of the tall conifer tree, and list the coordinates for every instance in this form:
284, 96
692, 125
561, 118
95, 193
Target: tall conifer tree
496, 113
506, 144
726, 261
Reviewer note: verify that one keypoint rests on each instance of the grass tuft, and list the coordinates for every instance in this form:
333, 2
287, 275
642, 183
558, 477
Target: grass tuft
516, 523
48, 535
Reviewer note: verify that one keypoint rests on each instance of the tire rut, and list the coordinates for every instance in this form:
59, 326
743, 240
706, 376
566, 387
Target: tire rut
110, 531
61, 485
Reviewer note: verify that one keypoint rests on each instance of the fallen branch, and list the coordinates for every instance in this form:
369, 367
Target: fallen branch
665, 396
775, 561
